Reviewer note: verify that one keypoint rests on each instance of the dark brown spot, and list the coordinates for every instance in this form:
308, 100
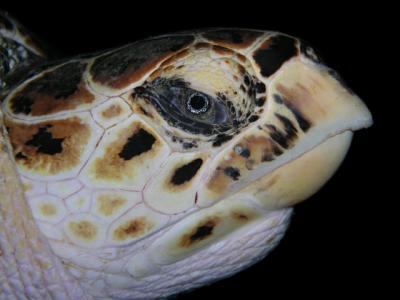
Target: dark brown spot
278, 136
241, 69
189, 145
220, 139
300, 118
21, 104
241, 57
274, 52
45, 142
60, 83
186, 172
278, 99
232, 172
202, 231
253, 119
55, 91
140, 142
260, 87
260, 101
246, 80
20, 155
120, 159
291, 130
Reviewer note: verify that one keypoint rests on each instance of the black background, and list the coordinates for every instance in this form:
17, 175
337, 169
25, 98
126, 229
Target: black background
337, 245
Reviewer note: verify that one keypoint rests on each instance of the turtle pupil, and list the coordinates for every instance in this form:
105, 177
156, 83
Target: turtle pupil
197, 104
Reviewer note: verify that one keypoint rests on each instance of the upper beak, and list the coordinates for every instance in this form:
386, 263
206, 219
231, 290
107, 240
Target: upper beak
302, 136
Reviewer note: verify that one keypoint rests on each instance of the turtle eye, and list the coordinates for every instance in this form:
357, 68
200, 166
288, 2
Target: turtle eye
197, 103
186, 108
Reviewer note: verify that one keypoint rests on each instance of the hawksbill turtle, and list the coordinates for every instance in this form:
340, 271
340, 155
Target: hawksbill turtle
160, 166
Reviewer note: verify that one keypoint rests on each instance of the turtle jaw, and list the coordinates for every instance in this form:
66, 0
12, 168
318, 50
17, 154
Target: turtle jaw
306, 107
299, 179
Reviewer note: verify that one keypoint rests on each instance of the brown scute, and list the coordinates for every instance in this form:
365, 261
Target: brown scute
132, 229
118, 160
266, 149
155, 74
112, 111
274, 52
108, 204
201, 232
218, 182
49, 147
222, 51
128, 64
138, 143
234, 38
241, 57
48, 209
84, 230
227, 172
174, 58
140, 107
241, 69
45, 143
144, 112
200, 46
241, 216
294, 99
55, 91
286, 138
260, 148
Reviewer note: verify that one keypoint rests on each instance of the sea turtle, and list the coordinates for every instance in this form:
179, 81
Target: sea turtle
172, 162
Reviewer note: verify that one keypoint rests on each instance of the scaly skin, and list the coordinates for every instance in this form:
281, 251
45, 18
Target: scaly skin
28, 267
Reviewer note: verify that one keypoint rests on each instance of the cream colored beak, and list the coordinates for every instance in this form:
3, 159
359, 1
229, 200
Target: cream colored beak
297, 144
334, 113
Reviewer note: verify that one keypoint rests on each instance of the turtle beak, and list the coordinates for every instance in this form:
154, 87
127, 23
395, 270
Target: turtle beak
298, 142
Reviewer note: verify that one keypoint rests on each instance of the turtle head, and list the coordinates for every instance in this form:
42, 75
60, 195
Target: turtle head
270, 120
118, 152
